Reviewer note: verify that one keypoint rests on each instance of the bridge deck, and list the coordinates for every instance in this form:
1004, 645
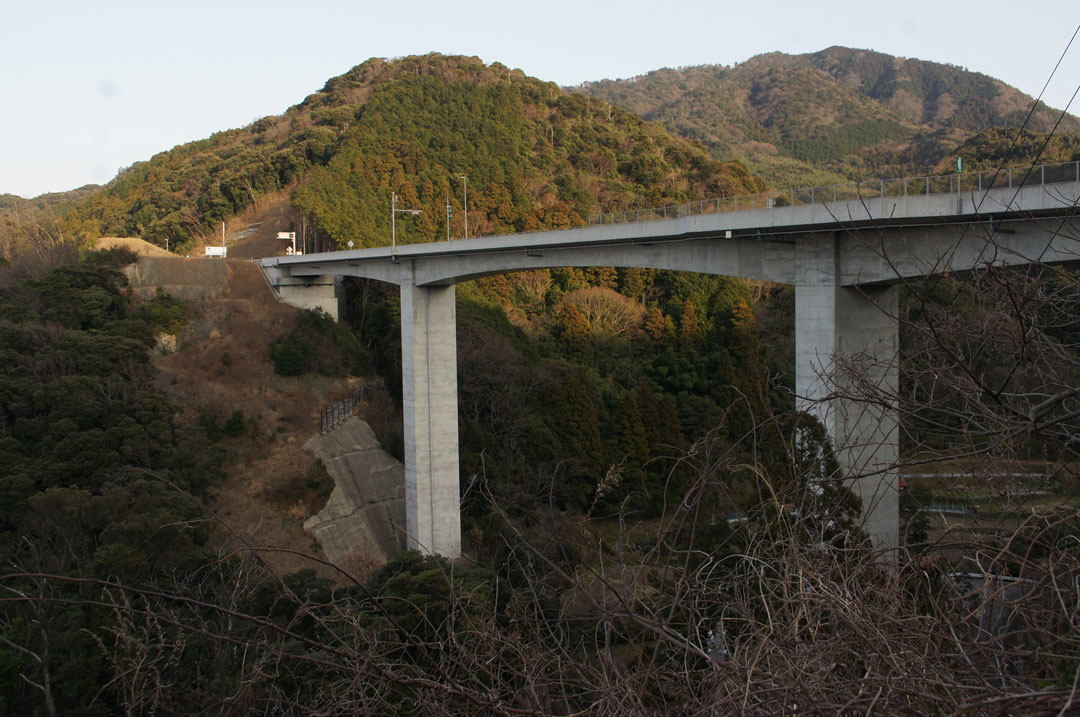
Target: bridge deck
444, 262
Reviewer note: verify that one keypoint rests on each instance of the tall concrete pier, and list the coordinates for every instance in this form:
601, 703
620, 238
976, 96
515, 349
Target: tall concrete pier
844, 258
429, 393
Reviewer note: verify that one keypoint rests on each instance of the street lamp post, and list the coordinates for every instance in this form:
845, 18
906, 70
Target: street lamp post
465, 190
393, 219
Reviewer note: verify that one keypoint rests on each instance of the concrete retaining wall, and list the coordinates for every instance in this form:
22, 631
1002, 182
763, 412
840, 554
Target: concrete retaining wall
179, 277
365, 516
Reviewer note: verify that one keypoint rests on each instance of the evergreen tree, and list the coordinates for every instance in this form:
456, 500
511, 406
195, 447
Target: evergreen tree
655, 326
690, 331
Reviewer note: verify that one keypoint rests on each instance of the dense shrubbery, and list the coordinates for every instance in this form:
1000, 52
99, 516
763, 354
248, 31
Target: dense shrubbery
594, 382
78, 404
164, 313
95, 470
317, 344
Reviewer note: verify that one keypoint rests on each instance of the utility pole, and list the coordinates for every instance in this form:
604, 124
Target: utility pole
393, 219
449, 216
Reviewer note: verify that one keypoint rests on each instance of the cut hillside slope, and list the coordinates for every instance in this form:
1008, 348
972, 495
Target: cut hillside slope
178, 276
221, 370
363, 523
252, 234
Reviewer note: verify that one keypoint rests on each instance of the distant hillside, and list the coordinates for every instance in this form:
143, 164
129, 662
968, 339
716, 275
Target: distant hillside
30, 223
534, 157
62, 202
838, 113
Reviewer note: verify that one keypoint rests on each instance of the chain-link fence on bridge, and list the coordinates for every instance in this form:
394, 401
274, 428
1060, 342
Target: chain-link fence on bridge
976, 182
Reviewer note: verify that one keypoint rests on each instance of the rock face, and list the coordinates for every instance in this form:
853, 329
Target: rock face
365, 516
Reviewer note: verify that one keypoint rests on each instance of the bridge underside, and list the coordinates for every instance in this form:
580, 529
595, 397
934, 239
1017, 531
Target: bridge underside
846, 334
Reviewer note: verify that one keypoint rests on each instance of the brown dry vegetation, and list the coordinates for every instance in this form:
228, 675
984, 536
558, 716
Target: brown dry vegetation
271, 213
134, 244
221, 365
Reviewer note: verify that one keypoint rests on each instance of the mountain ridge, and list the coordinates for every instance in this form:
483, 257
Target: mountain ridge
531, 155
535, 157
830, 115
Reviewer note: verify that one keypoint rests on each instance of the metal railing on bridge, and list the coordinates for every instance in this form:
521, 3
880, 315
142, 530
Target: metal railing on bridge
1014, 177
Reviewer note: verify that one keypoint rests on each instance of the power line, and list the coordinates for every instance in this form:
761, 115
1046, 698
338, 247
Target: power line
1004, 160
1023, 126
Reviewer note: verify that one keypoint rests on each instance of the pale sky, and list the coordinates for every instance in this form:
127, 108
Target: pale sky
88, 87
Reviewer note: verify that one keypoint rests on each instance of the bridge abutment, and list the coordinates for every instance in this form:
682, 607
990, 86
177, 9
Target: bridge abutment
847, 374
323, 293
430, 405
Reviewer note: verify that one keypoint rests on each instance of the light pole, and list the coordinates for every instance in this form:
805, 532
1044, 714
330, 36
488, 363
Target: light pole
393, 219
465, 189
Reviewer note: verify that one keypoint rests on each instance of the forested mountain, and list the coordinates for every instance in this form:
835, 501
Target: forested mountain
648, 524
837, 113
683, 355
61, 202
534, 157
31, 225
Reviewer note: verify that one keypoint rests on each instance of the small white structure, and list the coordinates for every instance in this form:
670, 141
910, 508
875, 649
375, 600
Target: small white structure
289, 236
221, 251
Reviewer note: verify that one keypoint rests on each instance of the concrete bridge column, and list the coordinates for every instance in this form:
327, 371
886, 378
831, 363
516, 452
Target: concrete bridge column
846, 355
429, 377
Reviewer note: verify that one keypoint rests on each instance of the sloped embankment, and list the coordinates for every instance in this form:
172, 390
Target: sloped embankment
365, 516
220, 366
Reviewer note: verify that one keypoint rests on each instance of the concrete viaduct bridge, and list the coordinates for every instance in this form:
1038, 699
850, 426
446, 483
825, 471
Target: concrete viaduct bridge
844, 249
